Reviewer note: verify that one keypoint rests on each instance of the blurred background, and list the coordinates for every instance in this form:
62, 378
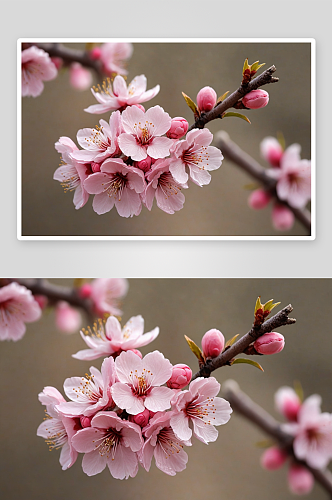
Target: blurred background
227, 469
219, 209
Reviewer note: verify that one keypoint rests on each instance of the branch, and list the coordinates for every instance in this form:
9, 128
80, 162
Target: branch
233, 152
279, 319
260, 80
241, 403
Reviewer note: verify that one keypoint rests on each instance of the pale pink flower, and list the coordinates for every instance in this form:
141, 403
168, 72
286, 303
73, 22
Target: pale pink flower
293, 177
116, 184
58, 430
195, 153
206, 99
258, 199
72, 174
312, 434
256, 99
67, 319
200, 406
109, 441
271, 150
121, 96
108, 339
270, 343
36, 68
300, 479
105, 294
143, 131
91, 393
80, 78
282, 217
213, 343
114, 55
99, 143
139, 382
164, 445
287, 403
164, 188
17, 307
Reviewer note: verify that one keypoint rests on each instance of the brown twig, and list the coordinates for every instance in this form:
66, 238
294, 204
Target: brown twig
242, 403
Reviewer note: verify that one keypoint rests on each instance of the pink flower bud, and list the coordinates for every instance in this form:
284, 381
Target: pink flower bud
259, 199
41, 300
85, 421
270, 343
57, 61
67, 318
300, 480
181, 376
179, 127
139, 106
271, 151
282, 217
95, 167
287, 403
256, 99
273, 458
141, 419
206, 99
85, 290
137, 352
143, 164
80, 78
213, 343
95, 53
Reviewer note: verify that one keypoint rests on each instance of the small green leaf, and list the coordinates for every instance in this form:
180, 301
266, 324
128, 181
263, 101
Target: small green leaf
268, 306
255, 66
221, 98
281, 140
248, 362
191, 104
299, 390
265, 443
251, 186
245, 65
258, 305
231, 341
238, 115
195, 349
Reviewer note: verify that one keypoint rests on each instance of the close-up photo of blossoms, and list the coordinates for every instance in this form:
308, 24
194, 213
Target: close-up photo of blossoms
193, 138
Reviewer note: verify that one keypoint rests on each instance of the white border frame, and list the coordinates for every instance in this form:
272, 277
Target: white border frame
312, 41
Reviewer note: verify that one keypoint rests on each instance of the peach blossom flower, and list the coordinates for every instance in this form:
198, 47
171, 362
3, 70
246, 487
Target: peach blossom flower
37, 67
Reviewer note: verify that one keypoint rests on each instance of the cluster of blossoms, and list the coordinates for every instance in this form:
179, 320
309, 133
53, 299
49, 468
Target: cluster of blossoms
19, 306
293, 177
38, 66
312, 431
136, 156
132, 410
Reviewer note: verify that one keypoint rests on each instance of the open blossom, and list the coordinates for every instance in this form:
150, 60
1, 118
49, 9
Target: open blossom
99, 143
121, 96
58, 430
312, 433
195, 153
116, 184
113, 56
108, 339
164, 445
17, 307
105, 294
139, 382
37, 67
200, 406
143, 131
91, 393
109, 441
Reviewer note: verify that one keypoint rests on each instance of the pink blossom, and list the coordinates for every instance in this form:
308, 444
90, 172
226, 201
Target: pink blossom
109, 441
91, 393
273, 458
179, 127
196, 154
116, 184
99, 143
164, 445
37, 67
256, 99
108, 339
213, 343
80, 78
293, 177
200, 406
258, 199
282, 217
271, 151
287, 402
141, 419
270, 343
144, 164
58, 430
206, 99
113, 57
72, 174
164, 188
300, 479
139, 382
17, 307
181, 376
121, 96
67, 318
143, 131
312, 434
105, 295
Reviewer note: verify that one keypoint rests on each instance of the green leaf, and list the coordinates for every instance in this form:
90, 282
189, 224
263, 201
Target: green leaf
245, 65
281, 140
299, 390
248, 362
221, 98
251, 186
238, 115
195, 349
255, 66
191, 104
232, 340
268, 306
258, 305
265, 443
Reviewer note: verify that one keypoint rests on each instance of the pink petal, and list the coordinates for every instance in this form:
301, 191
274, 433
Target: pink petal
178, 170
170, 463
159, 147
161, 121
120, 86
180, 425
159, 399
129, 204
93, 463
132, 116
84, 441
160, 368
204, 432
200, 177
129, 147
102, 203
125, 399
171, 203
125, 463
95, 183
125, 363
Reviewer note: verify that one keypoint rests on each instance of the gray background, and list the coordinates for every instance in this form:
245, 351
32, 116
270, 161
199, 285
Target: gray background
219, 209
227, 469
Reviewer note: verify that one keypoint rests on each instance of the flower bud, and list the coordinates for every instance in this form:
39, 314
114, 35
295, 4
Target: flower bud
137, 352
95, 53
256, 99
57, 61
95, 167
271, 151
85, 421
287, 403
213, 343
80, 78
141, 419
85, 290
181, 376
270, 343
259, 199
179, 127
41, 300
67, 318
300, 479
143, 164
206, 99
282, 217
273, 458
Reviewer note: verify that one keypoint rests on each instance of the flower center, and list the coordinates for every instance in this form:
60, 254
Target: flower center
168, 442
197, 158
167, 185
108, 443
115, 186
57, 435
89, 389
203, 410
